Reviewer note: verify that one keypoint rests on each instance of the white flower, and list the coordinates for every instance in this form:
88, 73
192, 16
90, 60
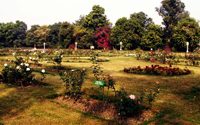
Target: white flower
56, 51
14, 54
72, 70
27, 69
132, 97
21, 64
30, 57
5, 64
39, 62
18, 67
26, 64
34, 53
46, 61
107, 59
61, 56
33, 58
43, 71
83, 68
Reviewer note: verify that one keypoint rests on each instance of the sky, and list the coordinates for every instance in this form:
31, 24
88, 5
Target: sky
48, 12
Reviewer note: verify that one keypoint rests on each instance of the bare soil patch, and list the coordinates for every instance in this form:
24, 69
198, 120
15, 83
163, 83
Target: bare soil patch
106, 110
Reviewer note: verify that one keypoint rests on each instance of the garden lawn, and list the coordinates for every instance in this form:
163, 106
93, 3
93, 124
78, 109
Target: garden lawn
177, 103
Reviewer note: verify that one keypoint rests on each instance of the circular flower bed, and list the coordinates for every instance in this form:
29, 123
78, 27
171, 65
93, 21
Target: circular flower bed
158, 70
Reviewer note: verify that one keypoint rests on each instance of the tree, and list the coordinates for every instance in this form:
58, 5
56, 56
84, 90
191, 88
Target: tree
42, 33
2, 35
66, 34
81, 36
102, 36
80, 21
127, 31
31, 37
172, 12
153, 38
142, 18
53, 37
96, 18
186, 31
19, 33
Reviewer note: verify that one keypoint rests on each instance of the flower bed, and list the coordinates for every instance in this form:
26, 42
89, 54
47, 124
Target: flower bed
158, 70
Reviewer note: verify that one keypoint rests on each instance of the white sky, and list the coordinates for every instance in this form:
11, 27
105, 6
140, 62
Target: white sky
45, 12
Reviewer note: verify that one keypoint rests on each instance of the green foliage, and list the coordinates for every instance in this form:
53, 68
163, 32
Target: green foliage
81, 36
97, 70
73, 81
186, 31
129, 31
80, 21
53, 36
142, 18
128, 106
66, 34
31, 37
172, 11
153, 38
96, 18
42, 33
13, 34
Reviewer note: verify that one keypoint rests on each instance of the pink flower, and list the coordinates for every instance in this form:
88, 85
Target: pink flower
138, 102
124, 87
132, 97
118, 113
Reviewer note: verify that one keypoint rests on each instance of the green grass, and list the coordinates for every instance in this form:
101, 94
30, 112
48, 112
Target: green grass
177, 102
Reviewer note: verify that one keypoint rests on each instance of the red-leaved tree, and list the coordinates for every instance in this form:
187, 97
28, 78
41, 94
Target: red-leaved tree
102, 36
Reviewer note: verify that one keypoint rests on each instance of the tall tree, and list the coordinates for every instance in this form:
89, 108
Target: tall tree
42, 33
66, 34
31, 37
96, 18
79, 22
172, 11
127, 31
81, 36
153, 38
19, 33
187, 30
53, 37
142, 18
6, 35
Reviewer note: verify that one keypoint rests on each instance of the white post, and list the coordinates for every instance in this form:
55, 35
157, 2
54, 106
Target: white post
120, 45
44, 46
75, 45
187, 43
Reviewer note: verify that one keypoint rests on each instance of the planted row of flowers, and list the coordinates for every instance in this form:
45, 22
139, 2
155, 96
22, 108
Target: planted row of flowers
158, 70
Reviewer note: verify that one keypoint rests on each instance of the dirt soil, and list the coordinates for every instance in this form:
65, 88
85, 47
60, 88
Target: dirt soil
106, 110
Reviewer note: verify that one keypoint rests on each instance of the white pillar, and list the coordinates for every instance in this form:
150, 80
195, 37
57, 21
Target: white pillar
75, 45
120, 45
187, 43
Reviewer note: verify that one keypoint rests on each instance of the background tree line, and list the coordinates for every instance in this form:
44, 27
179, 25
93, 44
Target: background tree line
95, 29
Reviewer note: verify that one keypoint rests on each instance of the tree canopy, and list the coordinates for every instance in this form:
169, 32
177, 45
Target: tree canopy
172, 12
